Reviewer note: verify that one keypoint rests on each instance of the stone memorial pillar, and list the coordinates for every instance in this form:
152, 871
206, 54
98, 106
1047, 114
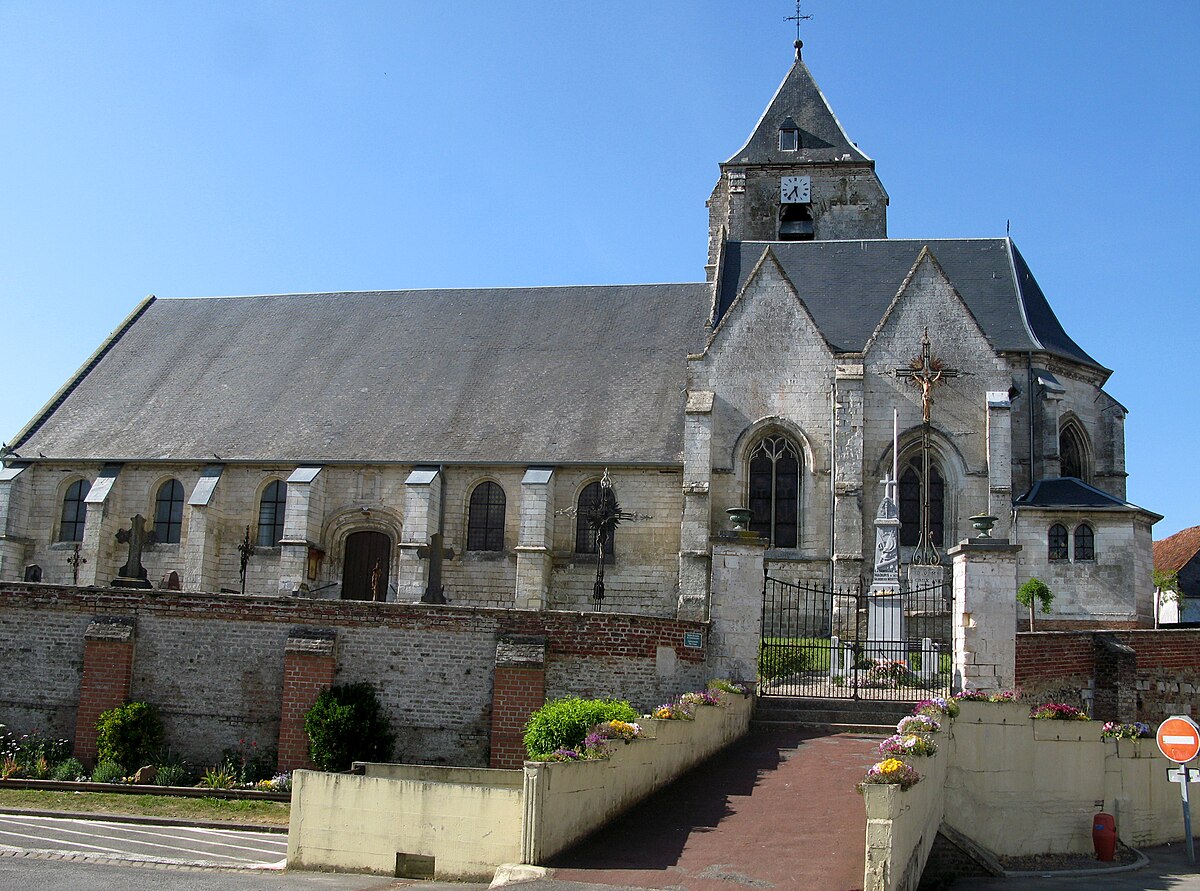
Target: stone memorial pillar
535, 540
885, 603
985, 614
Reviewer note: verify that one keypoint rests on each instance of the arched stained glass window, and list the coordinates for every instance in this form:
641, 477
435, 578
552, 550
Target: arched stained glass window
270, 514
1057, 543
1085, 542
74, 511
168, 512
774, 491
485, 518
1072, 452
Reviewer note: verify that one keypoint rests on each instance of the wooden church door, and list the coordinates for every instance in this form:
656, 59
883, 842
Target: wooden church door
368, 561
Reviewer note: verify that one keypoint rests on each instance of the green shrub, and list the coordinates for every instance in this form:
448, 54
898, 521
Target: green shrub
778, 662
108, 772
173, 773
128, 734
564, 723
219, 777
347, 724
66, 771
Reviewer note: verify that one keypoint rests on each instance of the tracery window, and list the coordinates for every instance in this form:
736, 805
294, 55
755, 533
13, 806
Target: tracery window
74, 511
1057, 543
1085, 542
774, 491
168, 512
1072, 452
485, 518
270, 514
585, 539
910, 504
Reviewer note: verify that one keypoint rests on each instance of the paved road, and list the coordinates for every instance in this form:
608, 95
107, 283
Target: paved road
138, 841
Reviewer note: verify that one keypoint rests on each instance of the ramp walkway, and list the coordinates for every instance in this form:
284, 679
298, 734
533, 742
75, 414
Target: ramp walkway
777, 809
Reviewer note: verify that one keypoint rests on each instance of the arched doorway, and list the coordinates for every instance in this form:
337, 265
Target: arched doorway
366, 566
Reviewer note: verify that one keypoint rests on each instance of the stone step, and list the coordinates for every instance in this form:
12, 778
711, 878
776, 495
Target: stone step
875, 716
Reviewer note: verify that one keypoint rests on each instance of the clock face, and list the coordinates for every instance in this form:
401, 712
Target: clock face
795, 190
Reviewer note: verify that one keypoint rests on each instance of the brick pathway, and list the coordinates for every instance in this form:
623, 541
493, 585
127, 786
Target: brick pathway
775, 810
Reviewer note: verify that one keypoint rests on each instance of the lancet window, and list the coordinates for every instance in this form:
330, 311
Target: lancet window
74, 511
910, 504
270, 514
485, 518
168, 512
1057, 543
774, 491
585, 538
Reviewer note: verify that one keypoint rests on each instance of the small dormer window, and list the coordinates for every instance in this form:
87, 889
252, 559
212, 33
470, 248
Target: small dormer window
789, 140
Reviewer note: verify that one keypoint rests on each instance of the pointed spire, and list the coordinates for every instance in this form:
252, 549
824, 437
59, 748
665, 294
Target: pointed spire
821, 135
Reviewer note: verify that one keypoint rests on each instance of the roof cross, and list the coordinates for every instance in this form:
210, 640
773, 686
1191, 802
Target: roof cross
797, 18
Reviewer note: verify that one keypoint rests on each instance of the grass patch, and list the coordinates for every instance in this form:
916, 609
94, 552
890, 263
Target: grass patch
231, 810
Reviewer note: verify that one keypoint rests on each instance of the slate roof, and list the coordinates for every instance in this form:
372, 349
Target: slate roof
1175, 552
801, 101
523, 375
848, 286
1070, 492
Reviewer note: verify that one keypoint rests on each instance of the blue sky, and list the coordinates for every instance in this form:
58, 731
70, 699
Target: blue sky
193, 149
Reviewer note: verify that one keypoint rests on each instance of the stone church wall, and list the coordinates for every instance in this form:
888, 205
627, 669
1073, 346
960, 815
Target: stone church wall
214, 664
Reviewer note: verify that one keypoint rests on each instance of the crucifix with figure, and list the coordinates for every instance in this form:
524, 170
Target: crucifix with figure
926, 371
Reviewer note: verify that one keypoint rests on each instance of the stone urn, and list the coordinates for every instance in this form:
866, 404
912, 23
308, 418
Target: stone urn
739, 518
983, 524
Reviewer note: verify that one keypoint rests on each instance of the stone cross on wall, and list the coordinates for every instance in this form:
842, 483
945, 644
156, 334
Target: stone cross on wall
926, 372
137, 536
434, 552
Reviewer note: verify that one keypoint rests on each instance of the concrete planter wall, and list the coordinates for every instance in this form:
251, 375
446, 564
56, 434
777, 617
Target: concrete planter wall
461, 823
1032, 786
901, 825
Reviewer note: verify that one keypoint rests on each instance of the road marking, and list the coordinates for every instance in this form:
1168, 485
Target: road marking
47, 827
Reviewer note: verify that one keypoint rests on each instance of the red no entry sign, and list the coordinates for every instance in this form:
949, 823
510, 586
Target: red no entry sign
1179, 738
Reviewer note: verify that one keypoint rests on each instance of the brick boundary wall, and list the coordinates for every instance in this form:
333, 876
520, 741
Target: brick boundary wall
107, 674
225, 670
1130, 674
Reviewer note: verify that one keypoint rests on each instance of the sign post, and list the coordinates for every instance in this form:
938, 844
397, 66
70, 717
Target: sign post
1178, 739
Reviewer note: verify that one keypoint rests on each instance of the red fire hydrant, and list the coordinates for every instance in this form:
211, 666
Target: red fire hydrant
1104, 836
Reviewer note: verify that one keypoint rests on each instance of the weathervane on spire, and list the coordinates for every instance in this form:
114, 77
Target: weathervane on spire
798, 18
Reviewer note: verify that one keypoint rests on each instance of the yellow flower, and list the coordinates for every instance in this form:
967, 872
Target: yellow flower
890, 765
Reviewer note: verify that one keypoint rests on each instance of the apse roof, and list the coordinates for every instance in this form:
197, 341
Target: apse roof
847, 286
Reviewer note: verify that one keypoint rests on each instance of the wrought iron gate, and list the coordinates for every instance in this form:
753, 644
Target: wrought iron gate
821, 641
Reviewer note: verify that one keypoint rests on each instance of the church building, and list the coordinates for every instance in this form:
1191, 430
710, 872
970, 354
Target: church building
360, 445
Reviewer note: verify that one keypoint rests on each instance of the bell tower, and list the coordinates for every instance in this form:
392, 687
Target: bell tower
797, 178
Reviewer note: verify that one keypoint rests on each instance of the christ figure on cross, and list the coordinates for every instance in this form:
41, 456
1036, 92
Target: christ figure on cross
926, 372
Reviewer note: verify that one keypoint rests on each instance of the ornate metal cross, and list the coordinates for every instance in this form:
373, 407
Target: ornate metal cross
797, 18
603, 517
926, 371
245, 549
75, 561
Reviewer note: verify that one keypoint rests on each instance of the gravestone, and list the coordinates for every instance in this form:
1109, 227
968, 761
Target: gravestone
33, 573
137, 536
